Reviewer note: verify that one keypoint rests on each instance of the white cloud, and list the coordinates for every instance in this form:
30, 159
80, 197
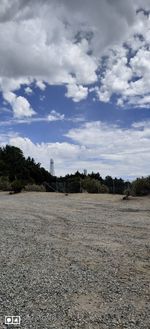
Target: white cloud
22, 108
28, 91
116, 76
141, 124
97, 146
129, 149
40, 85
77, 93
127, 68
10, 84
20, 105
64, 43
55, 116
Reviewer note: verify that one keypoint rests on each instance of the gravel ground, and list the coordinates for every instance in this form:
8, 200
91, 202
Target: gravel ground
76, 261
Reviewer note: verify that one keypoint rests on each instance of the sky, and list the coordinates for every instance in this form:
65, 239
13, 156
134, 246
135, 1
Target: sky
75, 84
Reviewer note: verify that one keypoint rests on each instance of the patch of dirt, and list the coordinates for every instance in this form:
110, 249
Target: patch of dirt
75, 262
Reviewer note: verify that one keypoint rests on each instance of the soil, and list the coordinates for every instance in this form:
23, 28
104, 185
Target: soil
74, 261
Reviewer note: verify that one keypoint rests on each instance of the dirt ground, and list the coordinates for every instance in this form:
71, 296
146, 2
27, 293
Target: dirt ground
76, 261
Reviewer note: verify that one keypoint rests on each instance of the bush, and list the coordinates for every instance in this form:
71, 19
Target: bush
103, 189
92, 185
17, 186
72, 186
35, 188
5, 184
141, 186
127, 191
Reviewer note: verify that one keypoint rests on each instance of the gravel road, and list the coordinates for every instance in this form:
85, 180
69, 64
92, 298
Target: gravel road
76, 261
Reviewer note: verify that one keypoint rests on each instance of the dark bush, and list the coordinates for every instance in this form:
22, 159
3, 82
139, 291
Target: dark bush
141, 186
35, 188
92, 185
17, 186
5, 184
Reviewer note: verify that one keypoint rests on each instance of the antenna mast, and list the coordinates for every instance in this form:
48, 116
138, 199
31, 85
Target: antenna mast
52, 171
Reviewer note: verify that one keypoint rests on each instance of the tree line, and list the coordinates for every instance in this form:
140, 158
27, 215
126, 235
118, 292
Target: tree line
18, 172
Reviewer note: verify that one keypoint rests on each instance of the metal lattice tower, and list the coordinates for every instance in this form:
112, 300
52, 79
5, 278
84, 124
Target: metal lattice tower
85, 172
52, 171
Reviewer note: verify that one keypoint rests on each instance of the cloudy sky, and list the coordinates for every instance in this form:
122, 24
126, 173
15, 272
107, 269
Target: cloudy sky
75, 83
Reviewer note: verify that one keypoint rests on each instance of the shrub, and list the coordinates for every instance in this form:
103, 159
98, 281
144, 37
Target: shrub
141, 186
103, 188
73, 186
17, 186
35, 188
127, 191
92, 185
5, 184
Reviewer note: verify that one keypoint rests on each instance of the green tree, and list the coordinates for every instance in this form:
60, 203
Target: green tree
141, 186
92, 185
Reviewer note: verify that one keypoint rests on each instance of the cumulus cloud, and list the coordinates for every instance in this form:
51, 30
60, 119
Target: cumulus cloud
77, 93
65, 42
97, 146
40, 85
28, 91
20, 105
128, 150
55, 116
127, 68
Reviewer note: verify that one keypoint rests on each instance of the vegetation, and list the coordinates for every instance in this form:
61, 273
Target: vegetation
4, 184
141, 186
35, 188
14, 166
17, 173
17, 186
92, 185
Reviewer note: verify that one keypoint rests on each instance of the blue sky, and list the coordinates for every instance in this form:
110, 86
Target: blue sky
75, 84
